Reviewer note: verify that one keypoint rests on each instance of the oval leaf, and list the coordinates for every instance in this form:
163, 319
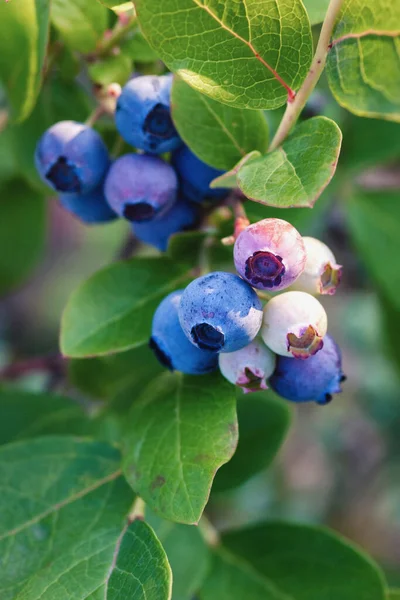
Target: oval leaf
307, 563
23, 217
81, 24
296, 174
363, 64
24, 26
113, 309
232, 579
181, 431
62, 509
242, 53
218, 134
263, 424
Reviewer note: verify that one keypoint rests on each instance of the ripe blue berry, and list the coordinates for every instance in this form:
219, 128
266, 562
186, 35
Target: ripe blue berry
171, 345
294, 324
220, 312
143, 115
182, 215
195, 176
138, 187
71, 157
90, 208
317, 378
249, 367
270, 254
321, 274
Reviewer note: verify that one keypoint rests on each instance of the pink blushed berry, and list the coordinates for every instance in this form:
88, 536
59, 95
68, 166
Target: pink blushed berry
270, 254
249, 367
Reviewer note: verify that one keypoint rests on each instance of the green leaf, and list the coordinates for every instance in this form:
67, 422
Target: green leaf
187, 553
296, 174
138, 49
80, 23
373, 221
245, 54
229, 179
58, 100
114, 3
108, 376
393, 595
232, 579
25, 414
24, 26
22, 233
263, 424
113, 69
62, 509
316, 10
218, 134
113, 309
363, 65
182, 430
307, 563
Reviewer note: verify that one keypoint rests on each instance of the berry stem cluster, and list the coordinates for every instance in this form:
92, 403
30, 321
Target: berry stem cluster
294, 108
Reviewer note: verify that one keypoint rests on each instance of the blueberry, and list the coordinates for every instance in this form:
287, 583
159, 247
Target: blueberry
294, 324
317, 378
270, 254
90, 208
71, 157
171, 345
220, 312
249, 367
138, 187
195, 176
321, 274
181, 216
143, 115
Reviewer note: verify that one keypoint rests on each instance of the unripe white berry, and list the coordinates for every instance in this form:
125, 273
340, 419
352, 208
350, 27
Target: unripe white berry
249, 367
294, 324
321, 274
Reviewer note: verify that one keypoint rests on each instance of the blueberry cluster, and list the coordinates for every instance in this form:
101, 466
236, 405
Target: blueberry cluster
157, 197
219, 319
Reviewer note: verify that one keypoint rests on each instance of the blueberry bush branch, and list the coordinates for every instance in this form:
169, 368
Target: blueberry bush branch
294, 107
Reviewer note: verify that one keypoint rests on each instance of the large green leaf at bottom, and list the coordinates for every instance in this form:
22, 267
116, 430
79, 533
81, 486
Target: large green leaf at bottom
373, 220
218, 134
363, 64
307, 563
242, 53
296, 174
113, 310
63, 504
23, 40
263, 423
22, 232
181, 431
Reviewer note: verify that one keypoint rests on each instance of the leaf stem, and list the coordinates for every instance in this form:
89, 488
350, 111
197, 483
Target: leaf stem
209, 532
294, 108
137, 511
